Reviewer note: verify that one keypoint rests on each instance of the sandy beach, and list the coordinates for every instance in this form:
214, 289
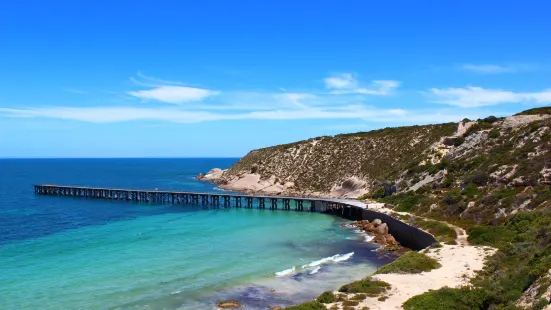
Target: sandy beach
459, 264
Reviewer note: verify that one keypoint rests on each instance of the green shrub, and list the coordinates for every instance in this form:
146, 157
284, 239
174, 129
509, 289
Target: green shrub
404, 201
453, 141
497, 236
311, 305
423, 189
480, 178
490, 119
470, 190
350, 303
367, 286
481, 125
327, 297
359, 297
452, 198
446, 298
441, 231
494, 133
446, 182
411, 262
504, 193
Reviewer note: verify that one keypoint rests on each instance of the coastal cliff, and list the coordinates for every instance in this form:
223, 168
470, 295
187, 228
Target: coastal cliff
339, 166
407, 158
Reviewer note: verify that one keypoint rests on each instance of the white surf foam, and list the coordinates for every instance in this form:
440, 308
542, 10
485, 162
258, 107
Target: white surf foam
315, 270
285, 272
332, 259
369, 238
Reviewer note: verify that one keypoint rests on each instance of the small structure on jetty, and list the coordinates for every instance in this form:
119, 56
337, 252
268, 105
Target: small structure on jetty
343, 207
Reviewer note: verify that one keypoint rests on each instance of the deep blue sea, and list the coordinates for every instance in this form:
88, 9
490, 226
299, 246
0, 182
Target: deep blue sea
77, 253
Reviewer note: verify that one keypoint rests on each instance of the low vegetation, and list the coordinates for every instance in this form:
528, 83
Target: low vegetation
524, 241
447, 299
411, 262
327, 297
368, 286
310, 305
536, 111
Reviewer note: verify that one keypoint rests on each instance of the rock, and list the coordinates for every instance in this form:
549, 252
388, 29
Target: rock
433, 207
212, 175
545, 176
500, 213
518, 182
521, 120
389, 239
463, 126
230, 304
377, 222
351, 187
382, 229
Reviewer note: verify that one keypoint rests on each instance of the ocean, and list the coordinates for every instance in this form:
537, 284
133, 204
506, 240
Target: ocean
77, 253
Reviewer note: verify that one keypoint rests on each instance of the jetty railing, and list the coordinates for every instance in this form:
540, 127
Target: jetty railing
227, 200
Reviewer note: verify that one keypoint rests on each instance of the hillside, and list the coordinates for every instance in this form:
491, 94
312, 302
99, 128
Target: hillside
350, 165
322, 164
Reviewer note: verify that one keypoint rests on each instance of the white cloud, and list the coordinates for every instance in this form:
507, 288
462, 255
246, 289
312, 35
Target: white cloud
346, 83
341, 81
174, 94
124, 114
470, 97
486, 68
168, 91
231, 104
495, 69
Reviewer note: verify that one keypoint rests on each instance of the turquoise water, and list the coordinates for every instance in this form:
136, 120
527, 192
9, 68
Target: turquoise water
69, 253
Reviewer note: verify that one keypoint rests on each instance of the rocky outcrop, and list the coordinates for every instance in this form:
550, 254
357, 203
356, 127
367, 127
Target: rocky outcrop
351, 188
521, 120
212, 175
379, 231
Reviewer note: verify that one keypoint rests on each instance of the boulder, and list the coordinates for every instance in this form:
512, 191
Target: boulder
377, 222
389, 239
382, 229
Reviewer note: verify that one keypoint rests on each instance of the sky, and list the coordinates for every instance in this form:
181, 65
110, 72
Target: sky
220, 78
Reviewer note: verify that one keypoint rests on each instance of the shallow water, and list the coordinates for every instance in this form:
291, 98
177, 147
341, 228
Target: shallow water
67, 253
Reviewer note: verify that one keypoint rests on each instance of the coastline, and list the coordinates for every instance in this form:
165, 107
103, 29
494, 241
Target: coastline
459, 262
353, 257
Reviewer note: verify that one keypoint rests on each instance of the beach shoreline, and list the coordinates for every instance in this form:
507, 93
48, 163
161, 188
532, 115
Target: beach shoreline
459, 262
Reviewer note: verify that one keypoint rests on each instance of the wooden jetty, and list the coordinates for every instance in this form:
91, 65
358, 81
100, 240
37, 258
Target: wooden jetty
343, 207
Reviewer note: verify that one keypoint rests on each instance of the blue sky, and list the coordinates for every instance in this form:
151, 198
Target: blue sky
219, 78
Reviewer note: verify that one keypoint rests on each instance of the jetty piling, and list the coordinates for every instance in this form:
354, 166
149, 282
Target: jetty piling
226, 200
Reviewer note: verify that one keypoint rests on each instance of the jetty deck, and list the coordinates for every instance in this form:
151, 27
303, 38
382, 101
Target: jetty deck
344, 207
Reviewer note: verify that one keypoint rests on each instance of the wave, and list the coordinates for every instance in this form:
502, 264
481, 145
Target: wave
285, 272
315, 270
331, 259
369, 238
